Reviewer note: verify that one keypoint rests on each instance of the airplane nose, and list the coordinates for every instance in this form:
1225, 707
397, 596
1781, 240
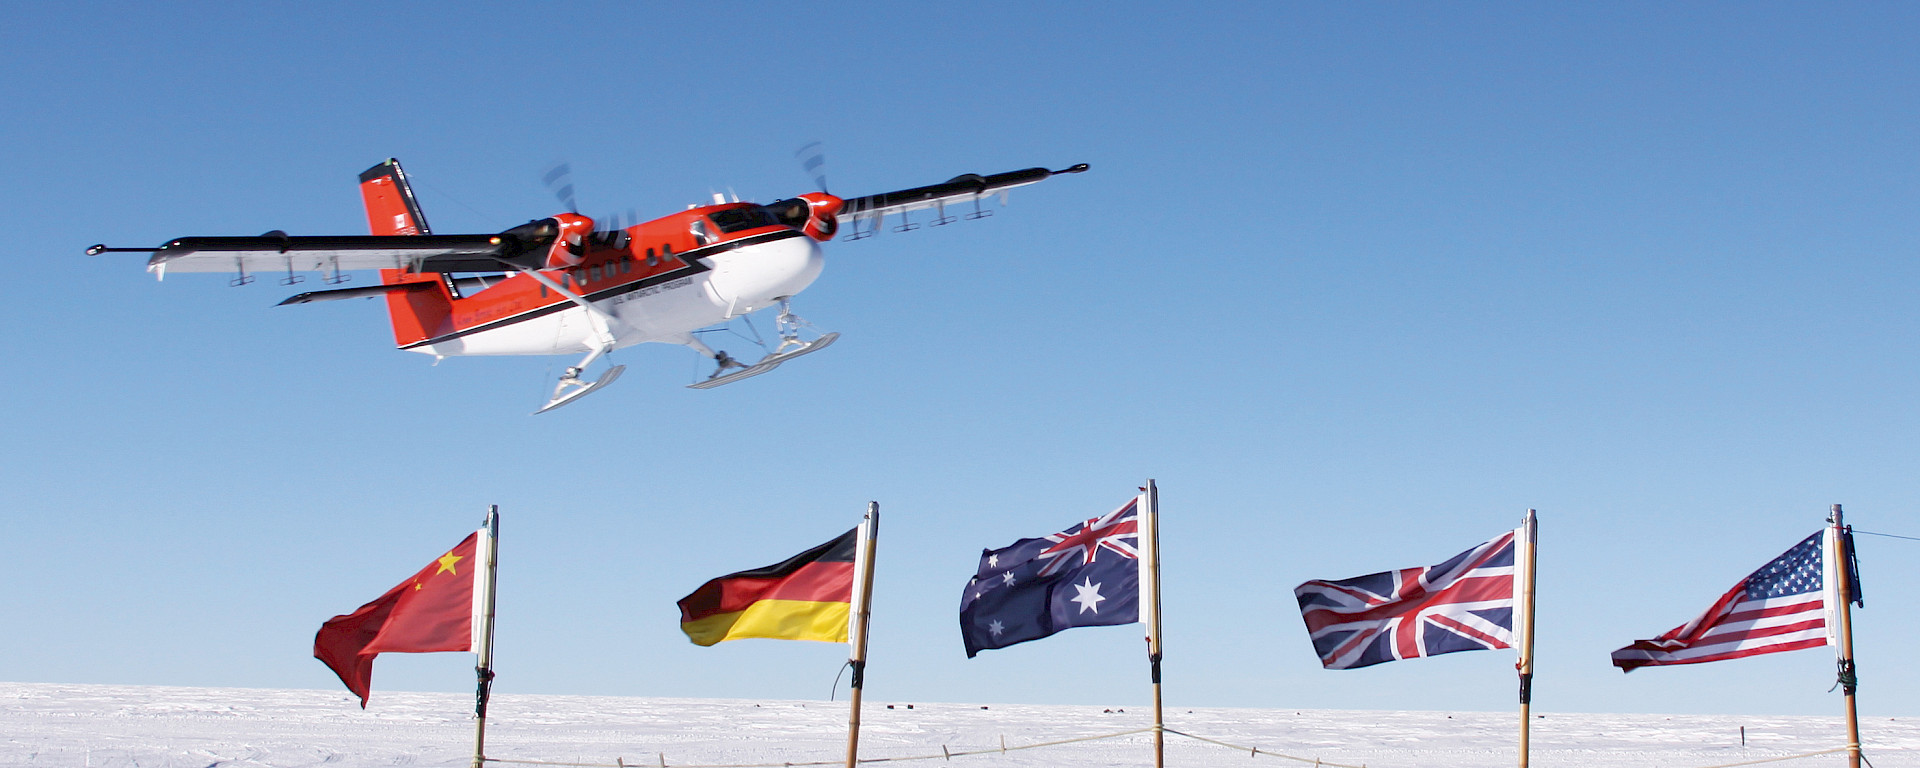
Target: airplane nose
754, 276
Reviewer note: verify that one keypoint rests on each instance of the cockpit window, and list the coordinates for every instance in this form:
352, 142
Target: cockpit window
736, 219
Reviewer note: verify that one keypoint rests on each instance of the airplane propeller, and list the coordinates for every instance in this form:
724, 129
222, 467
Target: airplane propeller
813, 160
559, 181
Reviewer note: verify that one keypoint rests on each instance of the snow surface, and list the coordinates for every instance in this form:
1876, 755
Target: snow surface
162, 727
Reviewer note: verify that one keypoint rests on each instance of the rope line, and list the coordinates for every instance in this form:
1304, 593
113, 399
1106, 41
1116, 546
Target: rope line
1778, 759
945, 755
1256, 751
1888, 535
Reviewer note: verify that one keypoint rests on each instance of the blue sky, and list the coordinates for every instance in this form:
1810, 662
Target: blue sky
1357, 284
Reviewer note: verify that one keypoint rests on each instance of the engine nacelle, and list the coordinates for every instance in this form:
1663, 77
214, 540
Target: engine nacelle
812, 213
821, 210
569, 246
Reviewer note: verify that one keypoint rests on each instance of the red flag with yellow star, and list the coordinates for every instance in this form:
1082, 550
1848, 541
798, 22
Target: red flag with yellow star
433, 611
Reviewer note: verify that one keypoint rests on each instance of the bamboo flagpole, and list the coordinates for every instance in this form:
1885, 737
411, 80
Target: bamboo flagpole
1524, 565
862, 610
1149, 527
1839, 572
484, 580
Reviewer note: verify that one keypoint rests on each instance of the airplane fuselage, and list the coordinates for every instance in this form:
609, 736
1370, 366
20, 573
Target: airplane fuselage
656, 282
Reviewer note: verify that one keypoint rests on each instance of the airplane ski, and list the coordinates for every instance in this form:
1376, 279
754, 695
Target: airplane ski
767, 363
560, 399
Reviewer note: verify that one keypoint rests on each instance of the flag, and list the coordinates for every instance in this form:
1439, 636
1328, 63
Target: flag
1781, 607
1085, 576
432, 611
1463, 604
805, 597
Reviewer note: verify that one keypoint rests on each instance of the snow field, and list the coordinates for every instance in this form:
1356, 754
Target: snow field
107, 726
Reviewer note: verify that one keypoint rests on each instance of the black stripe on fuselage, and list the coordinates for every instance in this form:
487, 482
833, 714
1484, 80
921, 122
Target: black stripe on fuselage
693, 267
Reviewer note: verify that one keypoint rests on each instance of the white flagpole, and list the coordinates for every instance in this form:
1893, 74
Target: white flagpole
1524, 571
483, 584
1148, 511
862, 610
1837, 561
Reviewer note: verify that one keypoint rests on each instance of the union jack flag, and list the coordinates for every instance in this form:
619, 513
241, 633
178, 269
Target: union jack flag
1781, 607
1118, 531
1463, 604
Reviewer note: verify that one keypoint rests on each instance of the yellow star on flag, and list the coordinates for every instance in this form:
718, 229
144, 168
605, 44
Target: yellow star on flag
446, 564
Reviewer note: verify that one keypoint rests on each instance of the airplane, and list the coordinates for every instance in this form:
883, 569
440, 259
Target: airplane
566, 284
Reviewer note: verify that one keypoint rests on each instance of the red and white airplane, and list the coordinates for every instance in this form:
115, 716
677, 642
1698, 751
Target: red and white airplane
560, 285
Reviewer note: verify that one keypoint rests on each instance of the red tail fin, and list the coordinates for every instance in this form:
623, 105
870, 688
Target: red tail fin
392, 210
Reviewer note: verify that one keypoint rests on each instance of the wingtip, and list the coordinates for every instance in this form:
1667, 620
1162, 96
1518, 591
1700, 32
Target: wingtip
1077, 168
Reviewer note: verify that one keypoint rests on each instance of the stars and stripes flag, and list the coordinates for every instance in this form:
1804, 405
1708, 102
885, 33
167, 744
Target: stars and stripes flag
1463, 604
1787, 605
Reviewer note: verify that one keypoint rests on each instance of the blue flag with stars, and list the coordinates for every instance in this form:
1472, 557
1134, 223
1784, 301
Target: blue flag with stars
1085, 576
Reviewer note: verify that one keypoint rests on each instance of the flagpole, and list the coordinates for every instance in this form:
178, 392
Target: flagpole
1149, 513
1842, 568
862, 615
1526, 561
483, 631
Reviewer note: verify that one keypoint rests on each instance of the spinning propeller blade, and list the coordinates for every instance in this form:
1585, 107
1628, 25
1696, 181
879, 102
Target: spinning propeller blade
559, 178
813, 160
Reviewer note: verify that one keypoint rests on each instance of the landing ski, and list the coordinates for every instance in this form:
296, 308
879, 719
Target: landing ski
767, 363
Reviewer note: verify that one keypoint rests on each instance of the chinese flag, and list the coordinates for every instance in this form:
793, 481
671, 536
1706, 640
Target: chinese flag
433, 611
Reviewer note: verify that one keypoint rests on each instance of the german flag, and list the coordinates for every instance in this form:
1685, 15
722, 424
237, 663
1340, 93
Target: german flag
805, 597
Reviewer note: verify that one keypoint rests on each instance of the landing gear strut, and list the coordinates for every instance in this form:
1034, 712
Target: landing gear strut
572, 387
600, 340
789, 326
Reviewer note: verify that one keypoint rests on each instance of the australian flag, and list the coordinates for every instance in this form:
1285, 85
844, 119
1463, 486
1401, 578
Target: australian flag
1085, 576
1463, 604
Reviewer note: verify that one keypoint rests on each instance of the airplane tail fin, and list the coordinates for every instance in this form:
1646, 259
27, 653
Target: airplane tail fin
417, 315
391, 207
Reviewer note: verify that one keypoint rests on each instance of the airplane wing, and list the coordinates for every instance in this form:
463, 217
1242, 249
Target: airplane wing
964, 188
522, 246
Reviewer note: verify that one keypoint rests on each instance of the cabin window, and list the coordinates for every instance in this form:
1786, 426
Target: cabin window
593, 274
652, 259
626, 263
543, 290
666, 253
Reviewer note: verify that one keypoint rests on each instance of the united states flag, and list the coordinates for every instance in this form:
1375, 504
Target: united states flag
1781, 607
1463, 604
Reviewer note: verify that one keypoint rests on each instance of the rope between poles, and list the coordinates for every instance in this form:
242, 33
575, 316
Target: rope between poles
946, 755
1778, 759
1258, 751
